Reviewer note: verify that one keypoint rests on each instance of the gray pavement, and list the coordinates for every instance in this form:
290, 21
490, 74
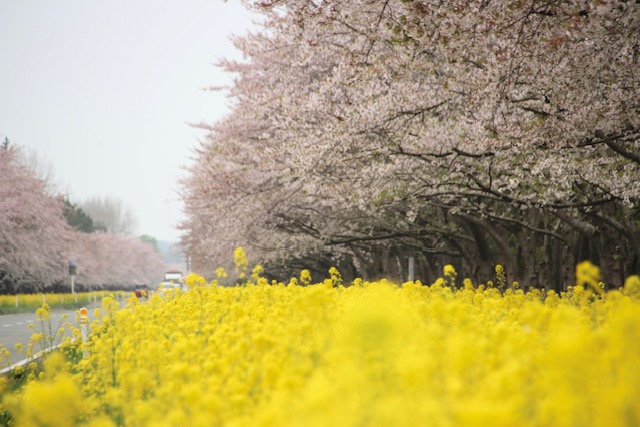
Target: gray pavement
14, 328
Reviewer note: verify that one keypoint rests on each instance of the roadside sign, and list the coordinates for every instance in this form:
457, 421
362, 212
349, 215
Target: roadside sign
83, 316
84, 330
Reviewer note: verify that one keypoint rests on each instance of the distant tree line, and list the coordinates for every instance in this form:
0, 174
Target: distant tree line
41, 232
78, 218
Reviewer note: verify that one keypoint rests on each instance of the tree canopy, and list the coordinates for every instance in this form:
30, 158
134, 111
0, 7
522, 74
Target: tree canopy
465, 132
78, 218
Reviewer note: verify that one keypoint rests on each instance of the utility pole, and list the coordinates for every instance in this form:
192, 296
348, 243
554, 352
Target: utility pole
411, 269
73, 269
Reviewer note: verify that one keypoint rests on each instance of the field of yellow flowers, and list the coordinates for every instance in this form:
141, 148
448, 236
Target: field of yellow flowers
367, 354
25, 303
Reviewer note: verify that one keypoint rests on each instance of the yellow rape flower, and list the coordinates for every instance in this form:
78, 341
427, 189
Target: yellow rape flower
240, 260
501, 277
588, 274
450, 273
256, 272
58, 402
192, 280
44, 312
336, 277
305, 277
449, 270
632, 285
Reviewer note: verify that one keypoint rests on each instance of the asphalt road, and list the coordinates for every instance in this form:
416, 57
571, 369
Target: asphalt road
14, 328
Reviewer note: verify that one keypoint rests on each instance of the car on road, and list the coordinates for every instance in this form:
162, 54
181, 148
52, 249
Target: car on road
142, 291
173, 280
170, 286
174, 276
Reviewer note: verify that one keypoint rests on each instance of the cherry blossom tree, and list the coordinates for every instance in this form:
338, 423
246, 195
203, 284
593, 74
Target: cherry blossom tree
472, 132
112, 260
32, 229
36, 242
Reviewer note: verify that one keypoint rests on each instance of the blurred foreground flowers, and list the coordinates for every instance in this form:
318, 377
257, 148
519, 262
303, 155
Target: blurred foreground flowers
373, 354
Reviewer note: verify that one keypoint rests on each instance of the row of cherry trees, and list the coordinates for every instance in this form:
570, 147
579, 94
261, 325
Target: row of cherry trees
465, 132
36, 242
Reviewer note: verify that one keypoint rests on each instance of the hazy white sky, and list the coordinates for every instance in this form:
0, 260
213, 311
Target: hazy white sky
104, 92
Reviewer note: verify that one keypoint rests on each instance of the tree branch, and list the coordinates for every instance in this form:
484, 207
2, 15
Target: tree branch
635, 157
